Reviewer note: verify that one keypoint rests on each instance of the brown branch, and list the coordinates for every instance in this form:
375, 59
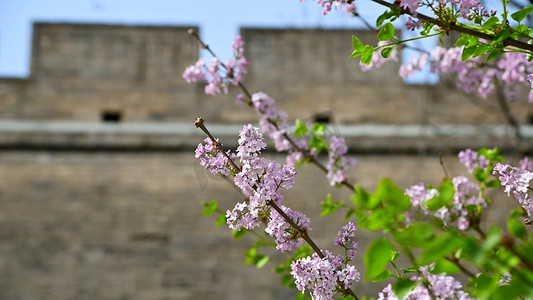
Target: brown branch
456, 262
199, 123
454, 27
293, 144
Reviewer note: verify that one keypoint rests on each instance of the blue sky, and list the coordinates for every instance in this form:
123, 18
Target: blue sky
219, 20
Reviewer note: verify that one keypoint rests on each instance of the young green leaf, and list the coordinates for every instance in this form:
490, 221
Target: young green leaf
489, 24
522, 14
386, 52
377, 257
516, 228
209, 207
386, 32
357, 44
301, 129
366, 56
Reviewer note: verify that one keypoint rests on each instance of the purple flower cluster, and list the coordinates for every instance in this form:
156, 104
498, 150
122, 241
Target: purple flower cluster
259, 178
272, 122
346, 239
516, 181
512, 69
338, 164
287, 238
419, 195
525, 164
322, 275
466, 195
212, 159
217, 80
430, 286
327, 5
472, 160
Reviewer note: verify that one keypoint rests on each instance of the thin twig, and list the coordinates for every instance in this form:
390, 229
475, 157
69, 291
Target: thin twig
199, 122
454, 27
293, 144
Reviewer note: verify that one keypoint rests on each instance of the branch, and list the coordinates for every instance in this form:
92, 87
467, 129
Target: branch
454, 27
293, 144
199, 122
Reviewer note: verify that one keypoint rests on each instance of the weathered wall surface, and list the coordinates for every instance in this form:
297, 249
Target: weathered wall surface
100, 225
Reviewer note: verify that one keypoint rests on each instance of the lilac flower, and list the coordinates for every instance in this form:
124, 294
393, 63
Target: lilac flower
472, 160
516, 181
430, 286
250, 142
415, 64
525, 164
243, 216
219, 76
259, 177
419, 194
411, 24
212, 159
238, 46
466, 194
411, 5
387, 294
346, 239
321, 275
338, 165
286, 237
349, 9
195, 73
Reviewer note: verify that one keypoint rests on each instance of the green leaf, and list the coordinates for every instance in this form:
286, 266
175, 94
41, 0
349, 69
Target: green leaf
440, 247
209, 207
383, 276
301, 129
328, 206
415, 235
357, 44
467, 52
319, 129
444, 198
318, 143
403, 286
377, 257
516, 228
481, 174
366, 56
386, 52
480, 50
389, 193
286, 279
238, 234
463, 40
500, 36
261, 260
489, 24
221, 220
386, 32
522, 14
493, 183
445, 266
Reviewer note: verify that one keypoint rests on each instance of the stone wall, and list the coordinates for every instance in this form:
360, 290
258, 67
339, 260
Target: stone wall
112, 225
